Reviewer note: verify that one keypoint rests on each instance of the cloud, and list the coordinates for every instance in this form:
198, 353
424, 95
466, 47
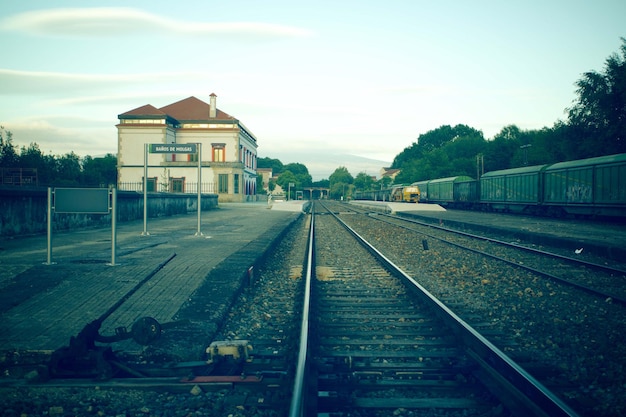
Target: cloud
43, 82
59, 135
40, 82
116, 21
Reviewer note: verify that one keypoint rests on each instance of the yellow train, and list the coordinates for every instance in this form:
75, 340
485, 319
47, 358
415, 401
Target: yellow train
405, 193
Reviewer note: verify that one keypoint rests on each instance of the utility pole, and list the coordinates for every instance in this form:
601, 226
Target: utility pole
525, 149
480, 165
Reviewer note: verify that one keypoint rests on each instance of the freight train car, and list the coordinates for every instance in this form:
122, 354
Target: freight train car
373, 195
441, 191
589, 187
593, 186
466, 194
512, 190
397, 193
423, 186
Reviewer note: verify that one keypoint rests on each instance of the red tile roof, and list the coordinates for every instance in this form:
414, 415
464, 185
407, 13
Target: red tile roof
147, 110
190, 109
389, 172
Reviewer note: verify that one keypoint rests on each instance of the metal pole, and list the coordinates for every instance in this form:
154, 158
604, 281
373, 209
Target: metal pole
145, 191
49, 221
113, 225
198, 232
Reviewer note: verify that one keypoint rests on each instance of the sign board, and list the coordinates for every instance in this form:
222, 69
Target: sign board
81, 200
173, 148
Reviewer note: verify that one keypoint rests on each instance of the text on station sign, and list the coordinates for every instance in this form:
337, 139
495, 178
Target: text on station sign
173, 148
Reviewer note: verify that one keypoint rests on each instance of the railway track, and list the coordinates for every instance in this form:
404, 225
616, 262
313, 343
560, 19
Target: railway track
553, 330
382, 346
605, 281
375, 347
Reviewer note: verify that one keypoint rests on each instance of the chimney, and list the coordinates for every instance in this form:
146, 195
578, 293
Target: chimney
212, 108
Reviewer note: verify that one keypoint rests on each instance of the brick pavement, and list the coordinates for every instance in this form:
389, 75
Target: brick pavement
42, 306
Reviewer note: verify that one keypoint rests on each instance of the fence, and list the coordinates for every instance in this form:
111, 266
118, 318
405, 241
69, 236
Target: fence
23, 210
19, 176
170, 187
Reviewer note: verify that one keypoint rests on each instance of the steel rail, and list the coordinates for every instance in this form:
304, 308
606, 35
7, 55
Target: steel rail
593, 265
298, 405
590, 290
539, 400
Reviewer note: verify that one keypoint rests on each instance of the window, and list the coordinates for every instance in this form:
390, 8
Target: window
222, 183
151, 184
236, 183
218, 153
143, 121
177, 185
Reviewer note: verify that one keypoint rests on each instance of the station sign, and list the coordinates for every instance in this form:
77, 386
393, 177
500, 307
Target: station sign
81, 200
173, 148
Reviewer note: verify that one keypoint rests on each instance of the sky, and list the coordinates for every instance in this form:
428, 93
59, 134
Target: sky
315, 81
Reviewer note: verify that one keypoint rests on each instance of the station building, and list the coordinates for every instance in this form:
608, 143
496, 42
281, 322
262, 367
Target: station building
226, 148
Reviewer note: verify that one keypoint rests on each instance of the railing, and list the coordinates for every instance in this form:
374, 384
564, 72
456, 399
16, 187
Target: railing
19, 176
164, 187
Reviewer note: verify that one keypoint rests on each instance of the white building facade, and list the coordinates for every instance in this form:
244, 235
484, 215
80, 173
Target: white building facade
226, 148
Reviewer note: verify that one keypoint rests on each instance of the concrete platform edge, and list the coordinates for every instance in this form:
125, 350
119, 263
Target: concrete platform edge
229, 278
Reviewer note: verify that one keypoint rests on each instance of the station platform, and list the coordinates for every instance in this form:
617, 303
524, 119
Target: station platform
391, 207
42, 305
291, 205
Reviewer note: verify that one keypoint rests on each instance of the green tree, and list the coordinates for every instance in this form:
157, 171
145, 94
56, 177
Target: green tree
340, 175
99, 172
259, 185
340, 182
442, 152
410, 153
296, 168
8, 152
301, 174
321, 184
68, 170
384, 182
363, 182
501, 149
552, 142
284, 180
46, 165
275, 164
598, 116
412, 170
435, 139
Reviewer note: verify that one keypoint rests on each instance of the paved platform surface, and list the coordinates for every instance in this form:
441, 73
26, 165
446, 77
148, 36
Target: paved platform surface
604, 238
42, 305
391, 207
